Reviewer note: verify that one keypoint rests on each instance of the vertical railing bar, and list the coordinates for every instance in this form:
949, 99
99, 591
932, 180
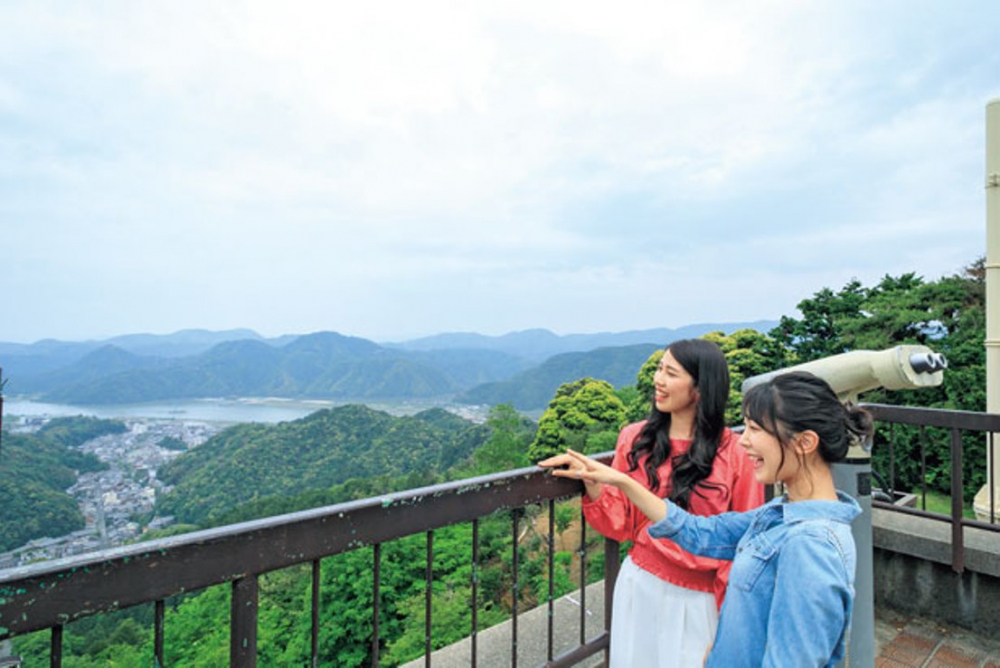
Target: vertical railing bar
55, 649
243, 622
376, 601
612, 564
428, 597
475, 587
957, 501
158, 611
923, 467
515, 589
583, 577
551, 601
314, 616
991, 480
892, 461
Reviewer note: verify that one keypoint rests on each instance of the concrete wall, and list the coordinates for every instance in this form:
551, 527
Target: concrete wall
913, 573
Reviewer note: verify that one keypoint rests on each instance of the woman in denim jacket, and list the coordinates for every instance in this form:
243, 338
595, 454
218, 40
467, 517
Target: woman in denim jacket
791, 587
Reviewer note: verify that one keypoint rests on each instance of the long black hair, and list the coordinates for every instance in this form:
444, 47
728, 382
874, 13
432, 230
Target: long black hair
705, 363
793, 402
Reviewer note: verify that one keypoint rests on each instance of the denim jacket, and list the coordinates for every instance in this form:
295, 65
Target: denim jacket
791, 587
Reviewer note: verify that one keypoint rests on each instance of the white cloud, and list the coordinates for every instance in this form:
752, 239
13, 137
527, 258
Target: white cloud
566, 153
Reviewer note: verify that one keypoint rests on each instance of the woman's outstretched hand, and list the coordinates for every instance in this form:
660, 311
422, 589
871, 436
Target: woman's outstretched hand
582, 467
592, 473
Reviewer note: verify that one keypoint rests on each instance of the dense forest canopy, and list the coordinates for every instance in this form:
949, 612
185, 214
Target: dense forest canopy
948, 315
250, 462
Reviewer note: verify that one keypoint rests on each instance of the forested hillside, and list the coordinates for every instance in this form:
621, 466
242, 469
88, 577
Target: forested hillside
532, 389
250, 462
36, 469
322, 365
433, 445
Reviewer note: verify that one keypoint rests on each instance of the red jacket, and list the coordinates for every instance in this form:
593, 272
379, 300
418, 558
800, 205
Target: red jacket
615, 517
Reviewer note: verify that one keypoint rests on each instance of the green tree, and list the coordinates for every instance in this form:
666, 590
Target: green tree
947, 315
73, 431
748, 353
173, 443
507, 445
578, 413
817, 333
638, 399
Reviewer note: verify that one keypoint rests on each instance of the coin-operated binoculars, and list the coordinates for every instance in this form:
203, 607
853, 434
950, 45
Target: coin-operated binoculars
849, 374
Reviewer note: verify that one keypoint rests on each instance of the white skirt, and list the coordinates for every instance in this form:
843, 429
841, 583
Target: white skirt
655, 624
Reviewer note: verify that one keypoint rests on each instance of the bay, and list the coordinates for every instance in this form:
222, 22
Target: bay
248, 409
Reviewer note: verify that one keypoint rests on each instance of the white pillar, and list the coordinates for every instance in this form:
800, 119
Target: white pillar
982, 500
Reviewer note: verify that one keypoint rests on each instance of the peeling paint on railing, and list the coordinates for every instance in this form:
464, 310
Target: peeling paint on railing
55, 593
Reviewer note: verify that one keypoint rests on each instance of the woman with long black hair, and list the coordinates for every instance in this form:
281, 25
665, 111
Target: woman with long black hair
666, 599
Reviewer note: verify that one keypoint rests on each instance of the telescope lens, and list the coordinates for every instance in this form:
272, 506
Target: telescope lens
928, 362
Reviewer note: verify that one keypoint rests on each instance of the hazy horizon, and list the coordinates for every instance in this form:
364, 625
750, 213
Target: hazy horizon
348, 334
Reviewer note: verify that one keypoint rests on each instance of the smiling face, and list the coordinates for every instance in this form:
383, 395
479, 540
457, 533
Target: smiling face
771, 463
674, 387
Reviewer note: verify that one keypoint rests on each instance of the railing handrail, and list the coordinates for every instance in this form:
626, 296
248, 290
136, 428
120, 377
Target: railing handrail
935, 417
53, 593
956, 422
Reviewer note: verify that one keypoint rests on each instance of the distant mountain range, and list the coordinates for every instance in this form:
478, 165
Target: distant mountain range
321, 365
538, 345
522, 368
49, 354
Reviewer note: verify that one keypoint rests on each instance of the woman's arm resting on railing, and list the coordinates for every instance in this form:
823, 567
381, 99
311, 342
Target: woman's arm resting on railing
593, 474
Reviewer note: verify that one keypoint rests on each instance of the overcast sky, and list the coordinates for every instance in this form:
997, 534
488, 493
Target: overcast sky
397, 169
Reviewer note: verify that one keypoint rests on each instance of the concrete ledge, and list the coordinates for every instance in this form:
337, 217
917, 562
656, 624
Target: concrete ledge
931, 540
913, 574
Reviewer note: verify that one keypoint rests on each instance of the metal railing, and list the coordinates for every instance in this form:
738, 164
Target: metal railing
956, 423
52, 594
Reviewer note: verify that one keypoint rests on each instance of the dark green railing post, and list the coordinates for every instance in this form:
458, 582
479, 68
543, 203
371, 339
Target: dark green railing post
243, 630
